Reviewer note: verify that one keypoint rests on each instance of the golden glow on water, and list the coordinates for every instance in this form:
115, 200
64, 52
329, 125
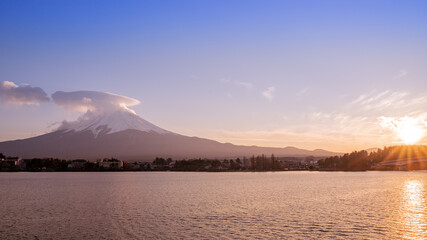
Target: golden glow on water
228, 205
414, 210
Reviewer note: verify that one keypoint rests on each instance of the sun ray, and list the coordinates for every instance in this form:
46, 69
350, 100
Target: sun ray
402, 154
409, 159
423, 155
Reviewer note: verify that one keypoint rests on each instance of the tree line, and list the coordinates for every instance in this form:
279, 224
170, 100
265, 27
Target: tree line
254, 163
362, 160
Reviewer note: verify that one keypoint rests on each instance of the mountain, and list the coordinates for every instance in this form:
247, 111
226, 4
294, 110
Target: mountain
111, 122
125, 135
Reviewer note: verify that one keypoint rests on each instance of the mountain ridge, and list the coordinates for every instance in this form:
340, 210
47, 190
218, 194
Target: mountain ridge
125, 135
137, 145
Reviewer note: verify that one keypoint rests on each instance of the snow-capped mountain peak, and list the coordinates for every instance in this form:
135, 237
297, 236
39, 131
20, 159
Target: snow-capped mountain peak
110, 122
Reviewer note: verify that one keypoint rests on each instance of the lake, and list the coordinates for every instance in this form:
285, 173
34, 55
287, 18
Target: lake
234, 205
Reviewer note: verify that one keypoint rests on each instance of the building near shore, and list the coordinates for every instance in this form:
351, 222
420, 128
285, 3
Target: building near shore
110, 163
77, 164
10, 162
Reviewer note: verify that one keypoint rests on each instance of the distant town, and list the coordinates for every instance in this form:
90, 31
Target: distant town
389, 158
258, 163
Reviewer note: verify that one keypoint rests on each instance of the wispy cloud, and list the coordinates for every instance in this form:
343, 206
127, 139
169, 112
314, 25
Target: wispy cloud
319, 115
387, 100
224, 80
22, 94
308, 136
269, 93
368, 98
244, 84
402, 73
302, 92
365, 115
355, 124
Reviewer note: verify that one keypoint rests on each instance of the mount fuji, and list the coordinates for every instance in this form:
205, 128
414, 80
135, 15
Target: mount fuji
111, 122
123, 134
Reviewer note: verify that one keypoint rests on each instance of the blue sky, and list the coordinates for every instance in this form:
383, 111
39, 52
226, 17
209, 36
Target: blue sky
310, 74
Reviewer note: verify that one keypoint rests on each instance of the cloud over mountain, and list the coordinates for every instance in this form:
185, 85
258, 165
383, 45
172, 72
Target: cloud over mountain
23, 94
101, 109
84, 101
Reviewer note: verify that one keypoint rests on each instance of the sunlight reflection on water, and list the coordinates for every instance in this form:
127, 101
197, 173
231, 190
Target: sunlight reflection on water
233, 205
414, 210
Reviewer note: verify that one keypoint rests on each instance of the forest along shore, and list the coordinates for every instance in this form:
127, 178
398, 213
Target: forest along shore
389, 158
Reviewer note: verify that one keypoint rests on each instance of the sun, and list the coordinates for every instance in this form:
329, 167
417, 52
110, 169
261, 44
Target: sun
410, 131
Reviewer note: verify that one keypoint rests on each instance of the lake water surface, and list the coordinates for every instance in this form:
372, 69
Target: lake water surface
188, 205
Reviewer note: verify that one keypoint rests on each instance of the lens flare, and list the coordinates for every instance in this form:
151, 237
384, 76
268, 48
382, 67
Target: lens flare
409, 130
410, 134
